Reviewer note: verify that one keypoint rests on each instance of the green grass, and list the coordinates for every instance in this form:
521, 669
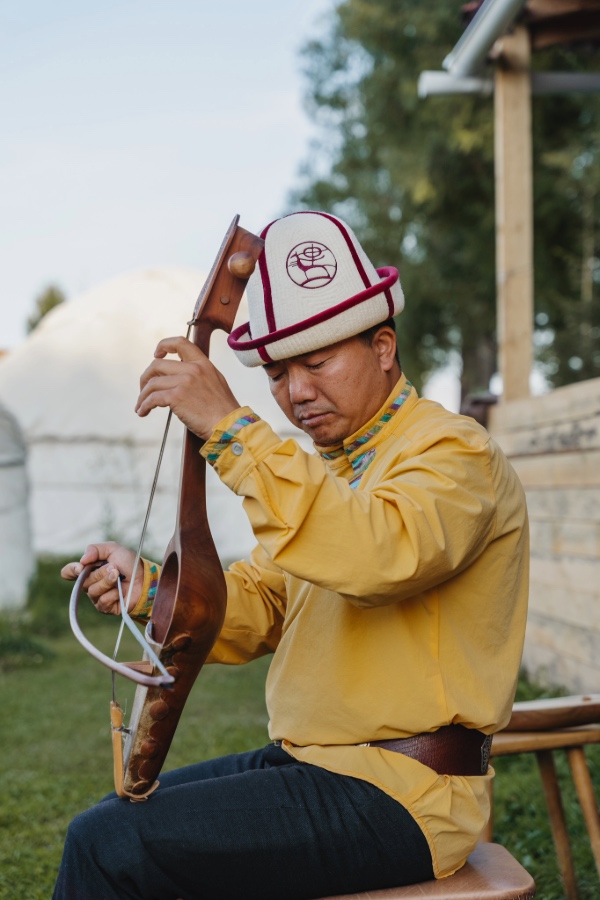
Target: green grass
521, 823
55, 740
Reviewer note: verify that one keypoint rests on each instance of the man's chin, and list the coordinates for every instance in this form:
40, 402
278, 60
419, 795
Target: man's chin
324, 433
323, 437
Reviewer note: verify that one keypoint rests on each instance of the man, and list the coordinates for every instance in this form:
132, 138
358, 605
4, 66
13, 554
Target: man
389, 583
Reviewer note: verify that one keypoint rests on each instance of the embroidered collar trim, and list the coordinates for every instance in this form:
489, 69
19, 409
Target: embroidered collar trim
348, 449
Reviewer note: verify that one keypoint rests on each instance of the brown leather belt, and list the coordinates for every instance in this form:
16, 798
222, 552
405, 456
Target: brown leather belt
451, 750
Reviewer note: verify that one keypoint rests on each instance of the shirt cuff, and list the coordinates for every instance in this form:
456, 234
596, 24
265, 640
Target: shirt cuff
225, 431
249, 447
143, 608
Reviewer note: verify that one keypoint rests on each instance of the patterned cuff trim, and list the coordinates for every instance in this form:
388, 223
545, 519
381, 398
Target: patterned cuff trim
228, 436
143, 608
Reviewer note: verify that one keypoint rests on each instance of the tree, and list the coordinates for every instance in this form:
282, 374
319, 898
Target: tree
415, 180
50, 297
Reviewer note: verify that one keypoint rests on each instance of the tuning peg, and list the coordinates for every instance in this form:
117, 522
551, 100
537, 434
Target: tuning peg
241, 264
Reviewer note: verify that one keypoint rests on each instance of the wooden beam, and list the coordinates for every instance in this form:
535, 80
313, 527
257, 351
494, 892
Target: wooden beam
563, 404
565, 30
569, 470
514, 213
549, 9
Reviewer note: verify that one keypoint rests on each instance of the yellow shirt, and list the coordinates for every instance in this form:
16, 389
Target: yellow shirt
390, 583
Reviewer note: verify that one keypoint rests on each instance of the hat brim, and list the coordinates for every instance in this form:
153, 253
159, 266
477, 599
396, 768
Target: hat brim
241, 341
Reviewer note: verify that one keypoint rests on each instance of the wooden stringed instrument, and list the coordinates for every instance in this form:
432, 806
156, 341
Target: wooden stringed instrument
190, 601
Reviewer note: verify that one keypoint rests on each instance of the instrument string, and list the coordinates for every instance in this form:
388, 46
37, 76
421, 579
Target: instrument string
208, 314
124, 604
193, 321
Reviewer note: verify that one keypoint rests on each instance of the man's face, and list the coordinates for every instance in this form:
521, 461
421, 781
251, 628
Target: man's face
333, 392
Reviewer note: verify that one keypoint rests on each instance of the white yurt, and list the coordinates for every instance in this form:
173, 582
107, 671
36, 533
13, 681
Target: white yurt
72, 387
16, 553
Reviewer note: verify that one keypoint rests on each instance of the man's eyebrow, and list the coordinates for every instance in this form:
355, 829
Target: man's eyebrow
301, 358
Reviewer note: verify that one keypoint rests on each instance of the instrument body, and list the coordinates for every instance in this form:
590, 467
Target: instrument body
190, 601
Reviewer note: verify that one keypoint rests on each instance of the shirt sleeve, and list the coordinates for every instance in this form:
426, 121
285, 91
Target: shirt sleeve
430, 514
256, 590
256, 601
256, 595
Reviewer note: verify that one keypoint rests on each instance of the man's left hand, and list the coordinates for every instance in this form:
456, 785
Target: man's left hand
192, 387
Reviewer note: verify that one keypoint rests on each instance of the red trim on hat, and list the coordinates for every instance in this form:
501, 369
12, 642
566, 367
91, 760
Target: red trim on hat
389, 276
263, 233
390, 301
264, 355
266, 283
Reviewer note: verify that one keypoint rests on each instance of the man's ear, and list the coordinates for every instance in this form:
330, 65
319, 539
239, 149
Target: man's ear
384, 344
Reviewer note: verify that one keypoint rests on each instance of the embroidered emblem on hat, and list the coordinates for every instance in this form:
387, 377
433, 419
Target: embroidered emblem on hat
311, 265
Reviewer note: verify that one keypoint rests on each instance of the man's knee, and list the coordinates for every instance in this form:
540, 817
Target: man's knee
84, 860
83, 833
97, 833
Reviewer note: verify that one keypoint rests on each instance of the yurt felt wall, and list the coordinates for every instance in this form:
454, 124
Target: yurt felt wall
16, 555
72, 385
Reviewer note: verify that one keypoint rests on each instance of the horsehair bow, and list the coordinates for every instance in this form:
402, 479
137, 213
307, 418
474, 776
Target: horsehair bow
190, 600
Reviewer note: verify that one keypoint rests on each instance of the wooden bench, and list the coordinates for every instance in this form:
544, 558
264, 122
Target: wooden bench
490, 873
542, 727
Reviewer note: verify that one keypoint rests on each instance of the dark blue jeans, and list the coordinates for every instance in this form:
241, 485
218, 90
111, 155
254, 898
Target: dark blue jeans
251, 826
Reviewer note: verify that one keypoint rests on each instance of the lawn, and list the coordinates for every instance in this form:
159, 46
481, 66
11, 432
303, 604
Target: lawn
55, 741
57, 761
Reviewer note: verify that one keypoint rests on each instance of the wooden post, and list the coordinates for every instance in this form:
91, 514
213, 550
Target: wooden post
514, 213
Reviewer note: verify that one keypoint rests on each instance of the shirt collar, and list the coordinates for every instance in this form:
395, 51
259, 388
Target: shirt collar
373, 431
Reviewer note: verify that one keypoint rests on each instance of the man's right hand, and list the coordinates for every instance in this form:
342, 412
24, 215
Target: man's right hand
101, 583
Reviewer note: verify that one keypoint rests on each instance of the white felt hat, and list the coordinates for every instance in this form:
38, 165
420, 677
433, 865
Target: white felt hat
313, 286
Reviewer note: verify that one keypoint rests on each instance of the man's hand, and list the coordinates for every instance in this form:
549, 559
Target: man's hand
196, 392
101, 583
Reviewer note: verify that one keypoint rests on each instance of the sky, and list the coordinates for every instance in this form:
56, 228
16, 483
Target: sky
132, 132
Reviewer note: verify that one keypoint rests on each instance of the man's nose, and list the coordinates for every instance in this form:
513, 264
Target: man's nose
300, 385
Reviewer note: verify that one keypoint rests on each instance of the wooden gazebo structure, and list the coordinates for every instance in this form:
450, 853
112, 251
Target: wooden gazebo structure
553, 440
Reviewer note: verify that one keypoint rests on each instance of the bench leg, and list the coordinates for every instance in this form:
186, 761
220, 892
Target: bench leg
557, 821
587, 799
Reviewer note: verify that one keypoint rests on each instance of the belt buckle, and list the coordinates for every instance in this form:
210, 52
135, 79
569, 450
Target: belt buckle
486, 752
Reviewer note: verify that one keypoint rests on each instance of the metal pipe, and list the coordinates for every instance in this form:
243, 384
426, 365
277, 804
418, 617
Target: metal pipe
565, 82
491, 21
541, 83
444, 83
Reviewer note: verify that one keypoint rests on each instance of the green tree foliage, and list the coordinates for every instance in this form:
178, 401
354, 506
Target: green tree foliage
50, 297
415, 180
